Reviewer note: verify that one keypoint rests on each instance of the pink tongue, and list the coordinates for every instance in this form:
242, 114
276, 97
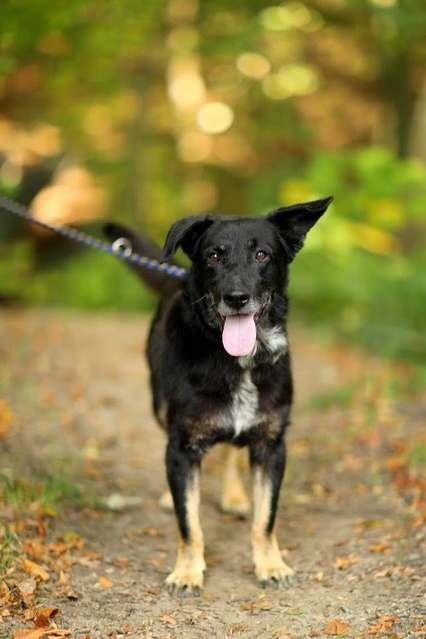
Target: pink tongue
239, 335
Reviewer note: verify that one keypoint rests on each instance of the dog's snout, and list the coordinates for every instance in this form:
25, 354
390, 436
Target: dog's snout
236, 299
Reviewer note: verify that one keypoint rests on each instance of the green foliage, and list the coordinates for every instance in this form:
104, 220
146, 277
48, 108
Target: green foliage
42, 493
362, 269
89, 280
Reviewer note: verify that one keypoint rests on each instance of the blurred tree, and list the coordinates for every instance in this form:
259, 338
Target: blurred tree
181, 104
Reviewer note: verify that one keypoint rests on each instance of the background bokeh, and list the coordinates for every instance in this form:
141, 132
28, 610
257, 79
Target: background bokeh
146, 111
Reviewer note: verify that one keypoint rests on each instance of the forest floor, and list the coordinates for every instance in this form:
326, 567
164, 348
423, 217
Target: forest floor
85, 547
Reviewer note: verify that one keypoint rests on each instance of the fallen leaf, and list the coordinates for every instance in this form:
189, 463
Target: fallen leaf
150, 531
293, 611
336, 628
171, 621
127, 628
43, 616
27, 587
35, 633
382, 547
383, 625
33, 569
4, 594
262, 604
343, 563
73, 540
105, 582
6, 418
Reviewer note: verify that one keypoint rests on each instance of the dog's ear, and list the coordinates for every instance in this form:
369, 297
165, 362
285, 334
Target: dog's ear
187, 234
295, 221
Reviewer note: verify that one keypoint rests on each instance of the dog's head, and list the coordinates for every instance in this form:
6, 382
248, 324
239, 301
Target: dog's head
240, 265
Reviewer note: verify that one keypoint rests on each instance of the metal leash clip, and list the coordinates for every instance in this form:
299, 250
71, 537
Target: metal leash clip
122, 246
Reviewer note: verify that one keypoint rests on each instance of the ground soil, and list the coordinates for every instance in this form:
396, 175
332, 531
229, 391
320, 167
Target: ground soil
78, 388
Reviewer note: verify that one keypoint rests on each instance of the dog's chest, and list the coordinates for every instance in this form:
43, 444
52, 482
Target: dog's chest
243, 411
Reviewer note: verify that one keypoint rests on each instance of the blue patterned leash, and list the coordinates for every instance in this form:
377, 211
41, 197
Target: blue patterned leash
121, 247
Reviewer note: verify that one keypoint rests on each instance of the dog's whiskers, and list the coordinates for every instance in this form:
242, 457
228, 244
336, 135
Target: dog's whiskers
199, 300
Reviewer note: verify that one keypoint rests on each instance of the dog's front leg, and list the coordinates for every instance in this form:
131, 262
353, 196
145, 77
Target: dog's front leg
183, 476
268, 464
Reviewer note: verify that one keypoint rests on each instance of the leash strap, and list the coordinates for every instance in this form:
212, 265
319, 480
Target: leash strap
121, 248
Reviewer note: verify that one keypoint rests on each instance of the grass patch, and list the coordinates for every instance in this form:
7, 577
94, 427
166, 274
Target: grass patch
10, 544
28, 502
40, 494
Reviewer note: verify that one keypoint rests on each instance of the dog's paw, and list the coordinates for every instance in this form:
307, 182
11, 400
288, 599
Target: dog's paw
277, 575
235, 504
184, 583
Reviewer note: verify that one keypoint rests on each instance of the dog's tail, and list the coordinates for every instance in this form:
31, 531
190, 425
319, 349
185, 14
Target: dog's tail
157, 281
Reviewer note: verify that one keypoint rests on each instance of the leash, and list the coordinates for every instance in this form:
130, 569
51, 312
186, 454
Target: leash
121, 247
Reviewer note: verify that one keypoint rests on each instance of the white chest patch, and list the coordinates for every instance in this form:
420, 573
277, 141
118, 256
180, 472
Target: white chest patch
273, 343
245, 405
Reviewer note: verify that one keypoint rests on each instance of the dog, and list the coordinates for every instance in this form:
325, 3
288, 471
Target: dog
220, 369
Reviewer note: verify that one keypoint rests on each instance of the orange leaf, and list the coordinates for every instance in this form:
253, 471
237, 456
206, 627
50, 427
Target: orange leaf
42, 616
336, 628
6, 418
342, 563
105, 582
381, 547
171, 621
384, 624
36, 633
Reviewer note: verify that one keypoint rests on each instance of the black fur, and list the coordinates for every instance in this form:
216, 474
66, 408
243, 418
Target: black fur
239, 266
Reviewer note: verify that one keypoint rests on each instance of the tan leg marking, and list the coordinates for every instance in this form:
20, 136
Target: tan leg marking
187, 576
166, 502
234, 498
268, 563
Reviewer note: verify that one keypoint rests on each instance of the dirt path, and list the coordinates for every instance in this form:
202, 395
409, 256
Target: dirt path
353, 532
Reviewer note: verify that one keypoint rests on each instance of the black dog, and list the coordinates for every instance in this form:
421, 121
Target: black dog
220, 369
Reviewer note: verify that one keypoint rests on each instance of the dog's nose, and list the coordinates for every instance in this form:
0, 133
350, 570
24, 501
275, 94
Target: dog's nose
236, 299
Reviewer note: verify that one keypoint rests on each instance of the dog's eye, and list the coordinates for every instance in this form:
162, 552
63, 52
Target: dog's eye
213, 257
261, 255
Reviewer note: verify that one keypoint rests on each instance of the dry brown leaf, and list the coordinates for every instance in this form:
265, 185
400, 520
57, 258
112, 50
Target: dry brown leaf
150, 531
27, 587
383, 625
336, 628
6, 418
105, 582
43, 616
4, 594
343, 563
127, 628
262, 604
35, 633
171, 621
381, 547
33, 569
